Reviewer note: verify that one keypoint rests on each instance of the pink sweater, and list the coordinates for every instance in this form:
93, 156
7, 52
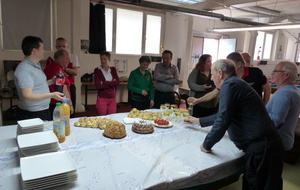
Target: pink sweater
108, 88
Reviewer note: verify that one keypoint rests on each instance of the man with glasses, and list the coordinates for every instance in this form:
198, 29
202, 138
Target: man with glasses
284, 106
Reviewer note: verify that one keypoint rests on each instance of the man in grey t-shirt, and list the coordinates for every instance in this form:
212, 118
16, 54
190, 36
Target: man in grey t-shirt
31, 83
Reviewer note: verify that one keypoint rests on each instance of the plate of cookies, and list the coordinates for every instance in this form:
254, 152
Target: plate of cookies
162, 123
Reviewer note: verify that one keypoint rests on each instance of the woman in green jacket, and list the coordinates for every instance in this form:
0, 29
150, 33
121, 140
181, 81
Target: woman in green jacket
140, 85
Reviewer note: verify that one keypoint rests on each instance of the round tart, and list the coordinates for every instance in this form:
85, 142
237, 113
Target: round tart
142, 127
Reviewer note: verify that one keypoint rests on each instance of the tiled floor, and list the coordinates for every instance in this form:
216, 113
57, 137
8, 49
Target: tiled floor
290, 178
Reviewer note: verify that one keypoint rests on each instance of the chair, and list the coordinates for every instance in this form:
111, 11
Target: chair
185, 97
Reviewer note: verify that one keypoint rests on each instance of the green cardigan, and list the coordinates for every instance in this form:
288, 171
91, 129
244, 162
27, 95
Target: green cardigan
138, 82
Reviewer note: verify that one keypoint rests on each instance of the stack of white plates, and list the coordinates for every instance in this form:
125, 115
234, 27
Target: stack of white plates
37, 143
47, 170
30, 126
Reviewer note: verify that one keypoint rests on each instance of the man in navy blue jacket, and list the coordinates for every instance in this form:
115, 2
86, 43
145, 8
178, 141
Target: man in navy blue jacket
243, 114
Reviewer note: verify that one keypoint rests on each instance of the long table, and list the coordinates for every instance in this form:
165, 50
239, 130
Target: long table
166, 159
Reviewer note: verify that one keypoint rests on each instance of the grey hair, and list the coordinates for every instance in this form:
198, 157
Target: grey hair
59, 53
225, 65
290, 68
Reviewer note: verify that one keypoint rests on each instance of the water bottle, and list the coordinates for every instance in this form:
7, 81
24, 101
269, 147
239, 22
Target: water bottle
59, 82
59, 123
66, 112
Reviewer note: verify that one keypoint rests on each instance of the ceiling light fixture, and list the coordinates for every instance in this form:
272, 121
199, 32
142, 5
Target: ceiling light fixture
268, 27
263, 10
187, 2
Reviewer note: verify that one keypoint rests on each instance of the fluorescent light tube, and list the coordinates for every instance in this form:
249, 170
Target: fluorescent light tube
269, 27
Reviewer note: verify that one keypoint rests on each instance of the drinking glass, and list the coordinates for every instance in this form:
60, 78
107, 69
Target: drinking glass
163, 107
166, 113
190, 101
177, 113
186, 115
173, 106
167, 105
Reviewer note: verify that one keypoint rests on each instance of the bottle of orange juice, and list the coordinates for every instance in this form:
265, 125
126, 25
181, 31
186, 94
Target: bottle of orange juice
66, 115
58, 123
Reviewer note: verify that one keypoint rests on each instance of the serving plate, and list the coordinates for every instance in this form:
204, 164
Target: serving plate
162, 126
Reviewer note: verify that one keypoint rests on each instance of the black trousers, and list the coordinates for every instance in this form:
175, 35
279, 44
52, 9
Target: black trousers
140, 105
263, 165
199, 111
51, 109
73, 98
24, 114
162, 98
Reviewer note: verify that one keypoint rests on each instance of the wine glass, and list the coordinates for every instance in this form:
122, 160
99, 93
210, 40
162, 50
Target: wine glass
173, 106
190, 102
167, 105
186, 115
163, 107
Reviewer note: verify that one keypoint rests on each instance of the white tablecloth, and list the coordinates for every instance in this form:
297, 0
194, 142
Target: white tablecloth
167, 159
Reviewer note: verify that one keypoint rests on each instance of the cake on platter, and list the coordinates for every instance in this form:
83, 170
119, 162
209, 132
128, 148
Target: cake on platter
142, 127
115, 131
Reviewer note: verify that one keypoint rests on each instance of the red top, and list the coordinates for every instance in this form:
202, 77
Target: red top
52, 69
108, 88
70, 65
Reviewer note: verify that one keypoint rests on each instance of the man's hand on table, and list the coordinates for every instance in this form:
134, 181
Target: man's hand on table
204, 150
192, 121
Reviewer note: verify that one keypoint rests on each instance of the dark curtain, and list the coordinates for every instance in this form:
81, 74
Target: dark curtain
97, 29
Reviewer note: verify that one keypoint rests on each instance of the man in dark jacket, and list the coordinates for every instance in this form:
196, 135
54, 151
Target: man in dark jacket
243, 115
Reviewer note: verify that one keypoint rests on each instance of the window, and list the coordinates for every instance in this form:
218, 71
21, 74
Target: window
263, 46
136, 32
109, 28
153, 30
210, 46
129, 32
298, 55
268, 46
217, 48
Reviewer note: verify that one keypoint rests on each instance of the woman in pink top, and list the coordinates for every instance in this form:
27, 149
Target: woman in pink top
106, 81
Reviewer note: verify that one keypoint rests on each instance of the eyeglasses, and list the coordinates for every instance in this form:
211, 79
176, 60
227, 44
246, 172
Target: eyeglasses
278, 71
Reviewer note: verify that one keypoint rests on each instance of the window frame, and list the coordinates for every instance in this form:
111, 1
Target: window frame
263, 46
145, 13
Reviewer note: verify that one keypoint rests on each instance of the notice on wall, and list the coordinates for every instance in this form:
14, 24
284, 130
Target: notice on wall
121, 65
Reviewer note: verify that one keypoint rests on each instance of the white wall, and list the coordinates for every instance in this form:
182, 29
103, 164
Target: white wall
73, 24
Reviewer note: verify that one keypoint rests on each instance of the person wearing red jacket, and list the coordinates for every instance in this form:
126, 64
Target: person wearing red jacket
53, 67
106, 80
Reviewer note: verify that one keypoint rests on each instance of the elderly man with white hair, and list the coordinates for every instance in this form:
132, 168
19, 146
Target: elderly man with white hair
243, 115
284, 106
